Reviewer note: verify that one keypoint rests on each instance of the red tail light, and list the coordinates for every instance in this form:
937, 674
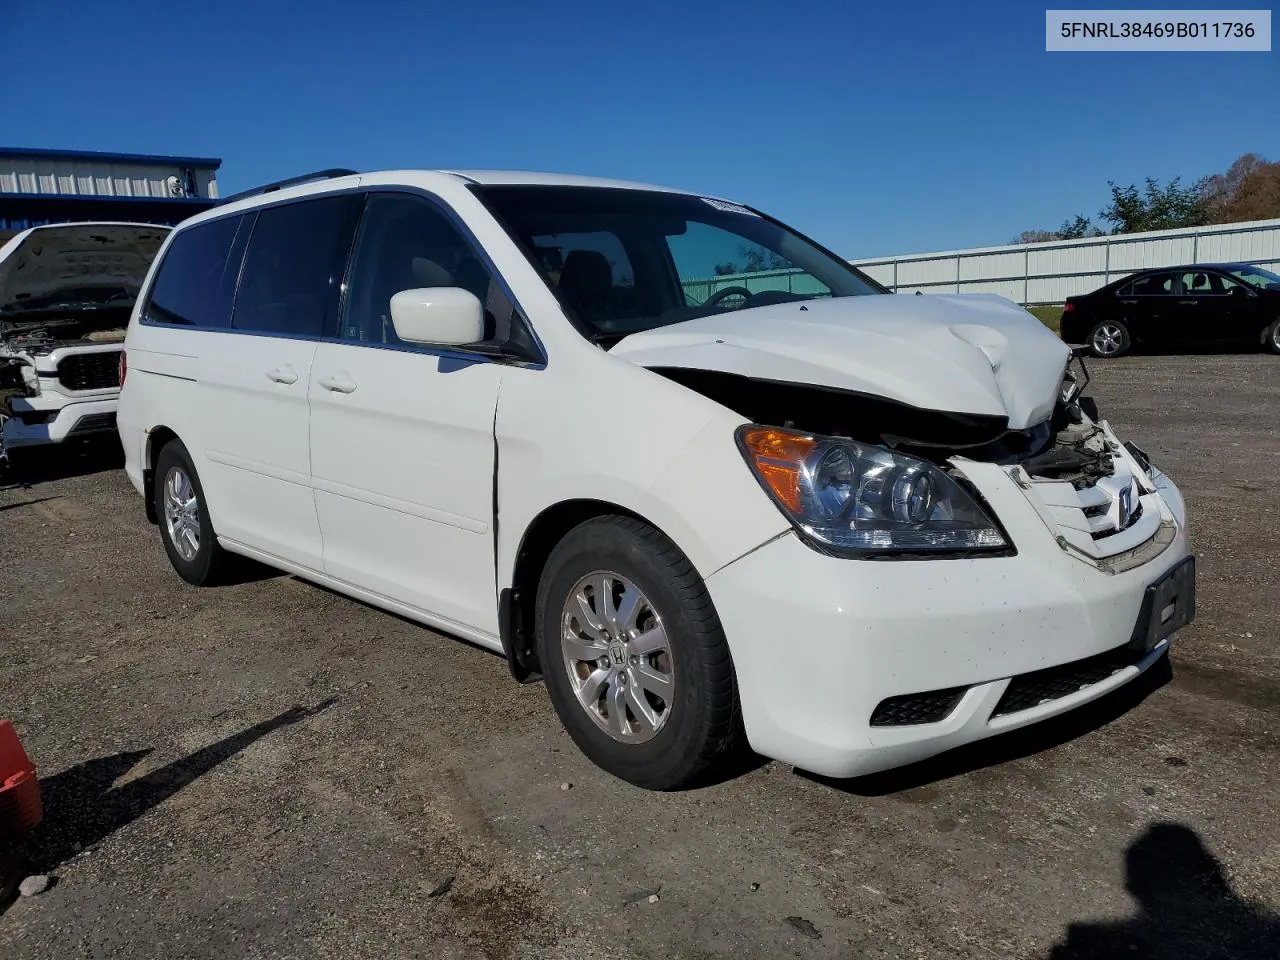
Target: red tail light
124, 367
1066, 308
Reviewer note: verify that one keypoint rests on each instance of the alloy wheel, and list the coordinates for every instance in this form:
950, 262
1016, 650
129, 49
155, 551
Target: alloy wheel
182, 513
1107, 339
618, 657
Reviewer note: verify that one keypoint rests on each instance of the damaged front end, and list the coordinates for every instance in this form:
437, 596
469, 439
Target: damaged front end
17, 380
58, 379
1064, 446
879, 478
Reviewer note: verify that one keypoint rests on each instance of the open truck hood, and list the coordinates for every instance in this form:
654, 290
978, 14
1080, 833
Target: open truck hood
969, 354
74, 259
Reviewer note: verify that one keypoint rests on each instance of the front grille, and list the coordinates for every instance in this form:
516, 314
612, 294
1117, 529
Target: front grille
916, 708
90, 371
1032, 689
1111, 529
94, 423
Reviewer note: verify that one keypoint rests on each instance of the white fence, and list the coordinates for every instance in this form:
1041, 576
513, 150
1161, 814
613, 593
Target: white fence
1031, 273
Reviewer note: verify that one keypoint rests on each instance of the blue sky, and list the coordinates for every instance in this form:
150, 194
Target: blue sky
876, 129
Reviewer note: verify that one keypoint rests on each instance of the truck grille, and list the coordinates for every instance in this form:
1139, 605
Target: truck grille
90, 371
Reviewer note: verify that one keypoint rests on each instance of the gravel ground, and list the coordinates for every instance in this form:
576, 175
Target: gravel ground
272, 770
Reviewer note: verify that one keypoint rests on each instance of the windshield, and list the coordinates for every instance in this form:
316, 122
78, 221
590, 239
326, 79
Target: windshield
1256, 276
623, 261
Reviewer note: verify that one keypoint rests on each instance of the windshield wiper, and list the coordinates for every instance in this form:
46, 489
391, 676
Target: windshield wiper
606, 339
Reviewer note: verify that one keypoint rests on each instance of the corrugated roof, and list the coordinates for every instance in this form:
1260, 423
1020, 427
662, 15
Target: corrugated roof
141, 158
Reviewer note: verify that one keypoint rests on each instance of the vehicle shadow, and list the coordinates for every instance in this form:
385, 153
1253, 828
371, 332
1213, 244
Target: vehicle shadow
24, 503
1013, 745
73, 459
82, 805
1186, 908
732, 766
245, 570
1198, 349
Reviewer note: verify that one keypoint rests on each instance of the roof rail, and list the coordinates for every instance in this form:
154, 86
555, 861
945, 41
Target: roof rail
290, 182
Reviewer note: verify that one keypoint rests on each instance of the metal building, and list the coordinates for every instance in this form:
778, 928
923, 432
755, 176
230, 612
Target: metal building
58, 186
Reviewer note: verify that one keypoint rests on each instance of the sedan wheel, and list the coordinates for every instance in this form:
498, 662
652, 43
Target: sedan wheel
1109, 339
1271, 337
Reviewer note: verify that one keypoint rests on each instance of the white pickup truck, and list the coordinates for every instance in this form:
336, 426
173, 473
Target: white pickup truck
66, 291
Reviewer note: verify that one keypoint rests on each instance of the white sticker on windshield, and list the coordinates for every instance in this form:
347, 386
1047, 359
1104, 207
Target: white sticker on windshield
728, 207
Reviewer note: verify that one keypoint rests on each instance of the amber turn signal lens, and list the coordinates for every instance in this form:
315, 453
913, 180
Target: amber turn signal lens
778, 457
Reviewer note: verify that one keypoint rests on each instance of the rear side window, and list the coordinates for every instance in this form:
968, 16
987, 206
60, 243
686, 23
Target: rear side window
1152, 285
194, 284
294, 263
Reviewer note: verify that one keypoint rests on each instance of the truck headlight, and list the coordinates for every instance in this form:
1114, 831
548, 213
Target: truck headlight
860, 500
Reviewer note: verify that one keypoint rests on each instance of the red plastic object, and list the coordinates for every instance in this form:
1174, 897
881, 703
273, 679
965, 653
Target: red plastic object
20, 807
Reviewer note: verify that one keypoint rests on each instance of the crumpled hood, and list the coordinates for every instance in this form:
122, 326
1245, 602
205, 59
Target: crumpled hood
972, 353
60, 260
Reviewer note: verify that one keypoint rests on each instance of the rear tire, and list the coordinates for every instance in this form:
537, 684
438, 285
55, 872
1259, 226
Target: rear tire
1271, 337
183, 518
635, 659
1109, 338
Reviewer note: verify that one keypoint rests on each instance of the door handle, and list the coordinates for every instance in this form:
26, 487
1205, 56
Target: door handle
283, 374
1189, 303
1129, 303
338, 384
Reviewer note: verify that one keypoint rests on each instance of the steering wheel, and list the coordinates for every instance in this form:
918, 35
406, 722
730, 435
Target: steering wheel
724, 294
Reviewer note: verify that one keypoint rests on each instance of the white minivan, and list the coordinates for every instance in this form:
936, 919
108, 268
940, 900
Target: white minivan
712, 484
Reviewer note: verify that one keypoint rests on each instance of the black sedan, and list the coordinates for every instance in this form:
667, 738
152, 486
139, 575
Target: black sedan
1206, 303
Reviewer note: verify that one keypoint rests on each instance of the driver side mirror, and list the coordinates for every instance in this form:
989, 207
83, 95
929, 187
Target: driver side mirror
437, 315
1241, 291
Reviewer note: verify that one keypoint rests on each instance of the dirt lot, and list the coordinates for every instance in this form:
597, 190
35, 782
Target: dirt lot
271, 770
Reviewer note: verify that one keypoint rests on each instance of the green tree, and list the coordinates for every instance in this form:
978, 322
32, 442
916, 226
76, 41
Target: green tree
1077, 227
1036, 236
1248, 190
755, 259
1155, 207
1073, 229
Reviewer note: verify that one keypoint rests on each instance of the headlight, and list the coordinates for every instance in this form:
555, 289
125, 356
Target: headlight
856, 499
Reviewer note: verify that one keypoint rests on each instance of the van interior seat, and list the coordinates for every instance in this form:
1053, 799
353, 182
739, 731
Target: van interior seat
586, 282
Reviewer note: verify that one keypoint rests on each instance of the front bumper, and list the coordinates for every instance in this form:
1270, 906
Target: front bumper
62, 420
819, 643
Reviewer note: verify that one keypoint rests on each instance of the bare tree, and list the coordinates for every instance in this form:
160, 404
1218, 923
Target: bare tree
1249, 190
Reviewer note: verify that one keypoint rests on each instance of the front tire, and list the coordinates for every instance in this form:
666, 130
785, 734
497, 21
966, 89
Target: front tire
1271, 337
1109, 338
185, 527
634, 656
